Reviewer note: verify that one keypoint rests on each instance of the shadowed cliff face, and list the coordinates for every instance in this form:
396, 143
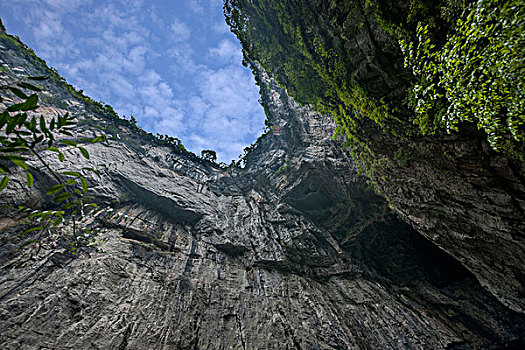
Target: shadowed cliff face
291, 252
452, 188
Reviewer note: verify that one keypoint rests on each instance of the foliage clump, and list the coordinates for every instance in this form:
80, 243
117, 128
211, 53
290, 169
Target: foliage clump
477, 75
464, 59
209, 155
291, 42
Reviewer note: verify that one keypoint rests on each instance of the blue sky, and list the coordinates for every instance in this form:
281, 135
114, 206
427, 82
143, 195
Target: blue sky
173, 64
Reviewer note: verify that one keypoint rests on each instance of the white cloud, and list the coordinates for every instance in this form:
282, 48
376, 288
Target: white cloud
183, 60
180, 31
134, 62
150, 77
49, 28
198, 105
110, 50
227, 51
225, 112
150, 112
121, 87
67, 5
196, 6
170, 124
220, 27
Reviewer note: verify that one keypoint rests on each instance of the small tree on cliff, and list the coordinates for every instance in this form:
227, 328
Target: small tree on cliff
208, 154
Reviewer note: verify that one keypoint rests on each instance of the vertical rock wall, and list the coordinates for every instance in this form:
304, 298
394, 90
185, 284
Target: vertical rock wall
291, 252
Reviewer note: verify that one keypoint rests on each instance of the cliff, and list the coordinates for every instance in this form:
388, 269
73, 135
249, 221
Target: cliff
345, 57
293, 251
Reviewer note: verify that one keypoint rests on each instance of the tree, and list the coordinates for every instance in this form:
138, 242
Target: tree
208, 154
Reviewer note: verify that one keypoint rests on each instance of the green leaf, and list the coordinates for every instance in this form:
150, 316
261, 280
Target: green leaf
58, 221
20, 163
32, 125
4, 116
32, 229
21, 119
65, 132
55, 189
42, 124
11, 125
62, 197
84, 152
71, 173
60, 121
26, 243
15, 107
12, 157
18, 92
54, 149
29, 179
4, 182
68, 206
13, 149
77, 191
30, 104
84, 184
37, 213
29, 86
61, 156
41, 77
98, 139
69, 143
51, 139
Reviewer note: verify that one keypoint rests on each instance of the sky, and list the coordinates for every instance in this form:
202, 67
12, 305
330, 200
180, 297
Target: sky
172, 64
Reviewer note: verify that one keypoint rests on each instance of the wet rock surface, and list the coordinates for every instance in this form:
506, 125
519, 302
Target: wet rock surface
293, 251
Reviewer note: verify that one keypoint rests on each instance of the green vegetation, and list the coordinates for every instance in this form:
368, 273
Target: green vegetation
24, 134
464, 64
478, 75
209, 155
309, 59
284, 169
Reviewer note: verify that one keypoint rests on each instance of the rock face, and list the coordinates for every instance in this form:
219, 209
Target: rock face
291, 252
454, 189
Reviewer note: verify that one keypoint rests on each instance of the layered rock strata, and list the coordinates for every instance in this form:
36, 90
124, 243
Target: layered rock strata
452, 188
293, 251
